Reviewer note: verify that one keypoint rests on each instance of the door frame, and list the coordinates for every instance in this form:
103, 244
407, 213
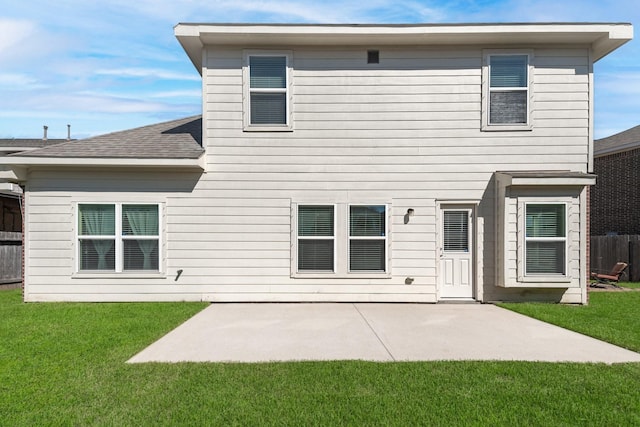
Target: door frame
473, 245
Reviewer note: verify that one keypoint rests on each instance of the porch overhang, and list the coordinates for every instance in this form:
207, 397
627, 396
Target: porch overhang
544, 178
14, 168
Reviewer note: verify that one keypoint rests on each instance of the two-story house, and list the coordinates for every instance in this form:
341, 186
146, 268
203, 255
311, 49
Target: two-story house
400, 163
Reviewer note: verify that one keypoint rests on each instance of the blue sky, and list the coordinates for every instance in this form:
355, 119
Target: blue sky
103, 66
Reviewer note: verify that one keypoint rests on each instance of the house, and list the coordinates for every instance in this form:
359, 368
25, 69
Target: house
615, 200
389, 163
11, 214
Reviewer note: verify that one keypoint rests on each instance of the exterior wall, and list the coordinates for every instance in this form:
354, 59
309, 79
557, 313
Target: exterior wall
510, 270
404, 132
615, 199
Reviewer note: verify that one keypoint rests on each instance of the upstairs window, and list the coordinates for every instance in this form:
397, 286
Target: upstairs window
267, 89
507, 97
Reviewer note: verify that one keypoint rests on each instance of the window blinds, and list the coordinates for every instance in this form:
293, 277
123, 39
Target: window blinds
315, 238
545, 236
508, 97
268, 87
509, 71
367, 241
456, 231
546, 220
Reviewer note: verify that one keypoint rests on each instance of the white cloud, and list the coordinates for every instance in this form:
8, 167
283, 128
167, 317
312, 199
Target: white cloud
21, 81
146, 72
12, 32
196, 93
623, 83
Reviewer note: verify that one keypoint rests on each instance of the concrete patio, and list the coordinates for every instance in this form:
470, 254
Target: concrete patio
374, 332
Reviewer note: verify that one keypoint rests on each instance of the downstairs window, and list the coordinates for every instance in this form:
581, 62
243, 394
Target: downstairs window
118, 237
341, 240
545, 239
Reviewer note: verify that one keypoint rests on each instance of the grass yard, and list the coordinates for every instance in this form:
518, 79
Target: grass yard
631, 285
610, 316
63, 364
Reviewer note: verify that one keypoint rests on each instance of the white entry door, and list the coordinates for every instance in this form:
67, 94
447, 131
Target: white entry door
456, 253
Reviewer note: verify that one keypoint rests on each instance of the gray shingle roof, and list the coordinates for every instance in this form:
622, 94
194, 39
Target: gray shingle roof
14, 145
29, 142
176, 139
623, 141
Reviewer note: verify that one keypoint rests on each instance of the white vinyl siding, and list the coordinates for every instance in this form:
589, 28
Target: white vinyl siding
405, 134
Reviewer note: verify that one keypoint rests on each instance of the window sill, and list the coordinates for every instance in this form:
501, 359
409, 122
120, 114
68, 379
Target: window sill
507, 128
275, 128
538, 279
112, 275
540, 282
383, 275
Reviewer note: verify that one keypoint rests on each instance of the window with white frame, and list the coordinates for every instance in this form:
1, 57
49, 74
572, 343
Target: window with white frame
545, 239
267, 88
118, 237
316, 238
367, 238
341, 239
508, 87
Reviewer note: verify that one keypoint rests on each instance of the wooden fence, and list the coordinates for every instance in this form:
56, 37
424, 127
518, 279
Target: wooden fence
10, 257
608, 250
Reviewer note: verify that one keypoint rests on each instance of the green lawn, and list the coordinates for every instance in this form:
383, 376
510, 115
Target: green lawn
610, 316
632, 285
63, 364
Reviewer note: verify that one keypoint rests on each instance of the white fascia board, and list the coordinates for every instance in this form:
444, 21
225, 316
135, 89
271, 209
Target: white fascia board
103, 162
569, 181
602, 37
506, 179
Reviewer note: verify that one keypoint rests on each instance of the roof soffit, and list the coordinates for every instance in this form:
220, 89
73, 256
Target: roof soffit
603, 38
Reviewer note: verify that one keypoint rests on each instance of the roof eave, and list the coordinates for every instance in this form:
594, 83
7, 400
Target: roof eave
103, 162
603, 38
544, 178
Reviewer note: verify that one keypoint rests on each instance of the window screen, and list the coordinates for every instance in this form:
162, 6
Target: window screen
545, 239
140, 234
367, 241
97, 252
508, 89
315, 238
136, 247
268, 90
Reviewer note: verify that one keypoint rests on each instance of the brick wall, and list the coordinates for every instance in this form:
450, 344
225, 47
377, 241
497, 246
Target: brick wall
615, 199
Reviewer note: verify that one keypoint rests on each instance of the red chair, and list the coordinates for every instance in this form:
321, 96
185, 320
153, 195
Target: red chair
613, 276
